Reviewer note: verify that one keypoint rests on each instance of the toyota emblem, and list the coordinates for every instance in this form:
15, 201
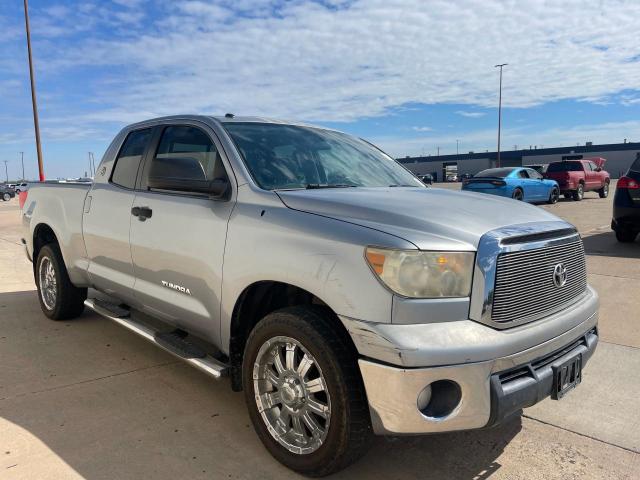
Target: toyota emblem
559, 275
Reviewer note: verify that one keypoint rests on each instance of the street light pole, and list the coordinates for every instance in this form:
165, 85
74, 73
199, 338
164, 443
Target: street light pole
6, 170
500, 109
36, 123
457, 141
22, 161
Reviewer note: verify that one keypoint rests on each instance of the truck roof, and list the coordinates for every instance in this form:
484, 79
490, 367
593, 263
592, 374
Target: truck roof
226, 119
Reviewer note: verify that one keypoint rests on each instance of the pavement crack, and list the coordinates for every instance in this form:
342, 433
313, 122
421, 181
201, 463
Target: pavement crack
10, 241
612, 276
620, 344
91, 380
582, 434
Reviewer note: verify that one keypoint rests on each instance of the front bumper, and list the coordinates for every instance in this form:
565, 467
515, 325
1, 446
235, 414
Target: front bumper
494, 382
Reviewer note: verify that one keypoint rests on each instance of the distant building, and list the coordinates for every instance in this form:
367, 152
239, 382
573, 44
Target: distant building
619, 157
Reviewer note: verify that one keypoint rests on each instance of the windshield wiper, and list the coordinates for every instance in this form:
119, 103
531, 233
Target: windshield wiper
416, 186
315, 186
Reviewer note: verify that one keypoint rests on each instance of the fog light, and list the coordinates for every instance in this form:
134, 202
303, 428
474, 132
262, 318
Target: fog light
439, 399
424, 398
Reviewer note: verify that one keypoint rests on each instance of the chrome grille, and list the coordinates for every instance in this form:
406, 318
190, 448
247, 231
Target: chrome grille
524, 286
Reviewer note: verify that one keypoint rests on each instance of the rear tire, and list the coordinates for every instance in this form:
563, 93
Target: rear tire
518, 194
6, 197
604, 191
578, 193
344, 432
626, 236
59, 298
554, 196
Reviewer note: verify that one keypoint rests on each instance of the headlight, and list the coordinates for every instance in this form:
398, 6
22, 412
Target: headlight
418, 274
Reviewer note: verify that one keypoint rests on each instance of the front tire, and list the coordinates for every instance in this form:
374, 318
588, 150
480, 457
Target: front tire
554, 196
6, 197
624, 235
304, 391
578, 193
59, 298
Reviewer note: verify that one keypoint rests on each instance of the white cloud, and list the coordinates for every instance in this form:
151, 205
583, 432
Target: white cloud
471, 114
303, 60
481, 140
422, 129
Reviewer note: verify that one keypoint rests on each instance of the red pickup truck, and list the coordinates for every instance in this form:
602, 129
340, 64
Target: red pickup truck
578, 176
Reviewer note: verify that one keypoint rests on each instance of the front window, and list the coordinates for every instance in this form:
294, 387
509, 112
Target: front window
291, 157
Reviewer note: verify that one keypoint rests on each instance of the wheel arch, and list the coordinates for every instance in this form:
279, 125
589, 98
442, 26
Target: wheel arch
255, 302
43, 234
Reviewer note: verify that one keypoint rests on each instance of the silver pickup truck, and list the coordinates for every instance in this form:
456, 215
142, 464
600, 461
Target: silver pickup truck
342, 295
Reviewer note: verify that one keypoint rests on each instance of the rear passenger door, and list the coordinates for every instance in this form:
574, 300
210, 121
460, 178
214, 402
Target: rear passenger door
178, 238
107, 218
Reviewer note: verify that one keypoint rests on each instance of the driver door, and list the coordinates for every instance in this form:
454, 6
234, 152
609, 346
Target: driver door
178, 238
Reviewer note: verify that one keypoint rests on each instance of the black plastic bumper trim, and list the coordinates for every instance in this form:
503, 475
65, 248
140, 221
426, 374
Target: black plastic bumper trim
528, 384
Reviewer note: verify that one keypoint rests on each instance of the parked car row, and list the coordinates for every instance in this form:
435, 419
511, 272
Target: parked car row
570, 178
6, 192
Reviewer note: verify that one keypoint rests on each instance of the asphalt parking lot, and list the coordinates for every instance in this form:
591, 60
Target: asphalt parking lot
87, 399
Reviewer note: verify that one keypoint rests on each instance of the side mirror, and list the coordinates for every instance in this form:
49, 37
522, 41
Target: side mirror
217, 188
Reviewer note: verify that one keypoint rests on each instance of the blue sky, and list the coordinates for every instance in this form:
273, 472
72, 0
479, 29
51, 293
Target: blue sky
409, 75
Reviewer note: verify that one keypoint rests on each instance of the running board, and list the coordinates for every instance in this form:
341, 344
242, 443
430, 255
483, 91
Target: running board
206, 363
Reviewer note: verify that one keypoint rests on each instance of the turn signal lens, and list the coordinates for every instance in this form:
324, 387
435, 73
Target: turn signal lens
376, 260
420, 274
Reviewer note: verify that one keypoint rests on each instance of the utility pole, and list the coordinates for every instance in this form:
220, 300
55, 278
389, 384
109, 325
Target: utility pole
500, 109
438, 150
22, 161
36, 123
6, 170
457, 142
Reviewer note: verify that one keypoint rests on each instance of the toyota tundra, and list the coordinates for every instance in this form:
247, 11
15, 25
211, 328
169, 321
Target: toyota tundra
341, 294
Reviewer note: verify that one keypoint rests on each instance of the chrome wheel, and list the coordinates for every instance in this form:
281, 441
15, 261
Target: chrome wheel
48, 283
291, 395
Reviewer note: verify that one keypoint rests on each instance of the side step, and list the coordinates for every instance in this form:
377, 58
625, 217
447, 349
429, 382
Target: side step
172, 342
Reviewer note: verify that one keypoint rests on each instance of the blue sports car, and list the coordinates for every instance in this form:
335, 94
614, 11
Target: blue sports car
516, 182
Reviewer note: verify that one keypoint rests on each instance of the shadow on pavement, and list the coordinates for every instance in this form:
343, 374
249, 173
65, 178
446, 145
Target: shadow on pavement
94, 398
605, 244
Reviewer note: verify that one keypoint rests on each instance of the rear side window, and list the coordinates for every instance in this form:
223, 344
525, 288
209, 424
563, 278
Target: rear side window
128, 161
635, 166
533, 174
565, 167
523, 174
186, 153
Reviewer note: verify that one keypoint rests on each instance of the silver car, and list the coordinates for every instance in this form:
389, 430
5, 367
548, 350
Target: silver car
343, 296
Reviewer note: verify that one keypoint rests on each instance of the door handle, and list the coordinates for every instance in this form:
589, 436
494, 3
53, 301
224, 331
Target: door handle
141, 212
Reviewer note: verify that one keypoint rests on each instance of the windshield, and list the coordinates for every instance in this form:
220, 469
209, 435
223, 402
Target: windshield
288, 157
565, 167
494, 172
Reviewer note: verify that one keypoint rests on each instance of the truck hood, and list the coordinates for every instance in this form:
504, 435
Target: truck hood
430, 218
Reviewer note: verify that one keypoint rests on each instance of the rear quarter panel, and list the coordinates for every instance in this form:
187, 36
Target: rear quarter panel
59, 206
